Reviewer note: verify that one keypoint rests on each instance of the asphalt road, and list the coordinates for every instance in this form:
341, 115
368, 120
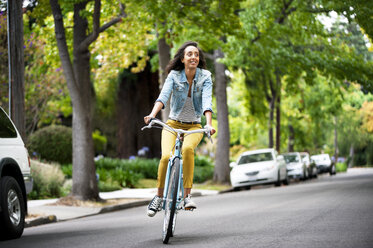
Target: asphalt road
329, 211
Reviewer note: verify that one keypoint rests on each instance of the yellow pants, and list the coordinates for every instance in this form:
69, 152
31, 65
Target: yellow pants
191, 141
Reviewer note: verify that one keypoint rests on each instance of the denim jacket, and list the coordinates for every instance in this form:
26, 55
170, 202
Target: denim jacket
176, 84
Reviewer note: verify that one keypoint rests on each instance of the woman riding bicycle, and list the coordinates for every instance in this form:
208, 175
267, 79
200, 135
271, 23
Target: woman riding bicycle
190, 86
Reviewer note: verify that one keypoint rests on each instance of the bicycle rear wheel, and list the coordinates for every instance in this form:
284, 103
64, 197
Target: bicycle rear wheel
169, 220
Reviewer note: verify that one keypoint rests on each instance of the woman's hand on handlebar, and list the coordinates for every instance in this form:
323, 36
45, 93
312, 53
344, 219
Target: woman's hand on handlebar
212, 130
157, 107
148, 118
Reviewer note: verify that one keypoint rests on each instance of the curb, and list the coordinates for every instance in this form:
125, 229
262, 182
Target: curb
226, 191
123, 206
52, 218
41, 221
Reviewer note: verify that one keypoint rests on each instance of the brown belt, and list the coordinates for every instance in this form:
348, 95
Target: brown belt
187, 122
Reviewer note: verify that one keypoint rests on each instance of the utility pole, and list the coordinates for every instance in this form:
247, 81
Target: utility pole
16, 65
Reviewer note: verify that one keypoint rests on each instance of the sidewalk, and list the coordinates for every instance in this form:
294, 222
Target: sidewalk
46, 211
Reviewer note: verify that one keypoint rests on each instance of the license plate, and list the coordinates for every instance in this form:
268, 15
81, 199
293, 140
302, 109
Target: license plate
251, 178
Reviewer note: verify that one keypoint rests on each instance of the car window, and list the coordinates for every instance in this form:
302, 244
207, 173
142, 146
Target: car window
253, 158
6, 127
291, 158
305, 158
319, 158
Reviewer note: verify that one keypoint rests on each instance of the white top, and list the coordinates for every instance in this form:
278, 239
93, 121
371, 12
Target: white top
188, 114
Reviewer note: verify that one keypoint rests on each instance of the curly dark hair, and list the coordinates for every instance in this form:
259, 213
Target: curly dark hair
176, 64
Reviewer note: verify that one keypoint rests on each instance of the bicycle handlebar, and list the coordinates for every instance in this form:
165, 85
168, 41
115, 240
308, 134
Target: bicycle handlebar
179, 131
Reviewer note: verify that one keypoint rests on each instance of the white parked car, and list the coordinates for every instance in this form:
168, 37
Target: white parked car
15, 179
258, 167
324, 163
295, 166
311, 166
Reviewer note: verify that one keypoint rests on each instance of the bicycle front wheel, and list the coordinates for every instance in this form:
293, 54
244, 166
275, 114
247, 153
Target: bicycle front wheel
169, 220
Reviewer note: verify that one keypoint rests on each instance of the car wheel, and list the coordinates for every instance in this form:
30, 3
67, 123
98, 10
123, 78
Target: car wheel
247, 187
315, 172
12, 203
278, 183
286, 180
236, 189
304, 175
332, 170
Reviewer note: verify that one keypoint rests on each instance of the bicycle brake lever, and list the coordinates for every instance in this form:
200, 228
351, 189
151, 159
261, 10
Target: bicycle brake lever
147, 126
208, 133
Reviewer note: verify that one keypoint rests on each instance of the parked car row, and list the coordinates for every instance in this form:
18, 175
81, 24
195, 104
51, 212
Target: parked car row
266, 166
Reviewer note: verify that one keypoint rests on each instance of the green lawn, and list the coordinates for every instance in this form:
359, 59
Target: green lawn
147, 183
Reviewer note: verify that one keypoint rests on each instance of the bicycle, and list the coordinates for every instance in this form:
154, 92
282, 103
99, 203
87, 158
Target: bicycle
173, 193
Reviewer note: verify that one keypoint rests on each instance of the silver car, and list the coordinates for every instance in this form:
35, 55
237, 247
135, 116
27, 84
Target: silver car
295, 166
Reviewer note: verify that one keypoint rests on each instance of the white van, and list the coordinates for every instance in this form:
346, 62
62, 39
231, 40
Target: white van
15, 179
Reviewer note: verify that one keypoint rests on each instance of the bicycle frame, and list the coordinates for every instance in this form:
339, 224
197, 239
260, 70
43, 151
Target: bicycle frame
176, 154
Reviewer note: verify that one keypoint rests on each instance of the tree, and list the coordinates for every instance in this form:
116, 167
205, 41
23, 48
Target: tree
16, 65
78, 76
207, 22
218, 20
288, 45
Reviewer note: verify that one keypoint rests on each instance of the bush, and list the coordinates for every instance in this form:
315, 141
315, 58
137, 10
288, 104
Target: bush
99, 142
67, 170
203, 161
124, 173
203, 169
341, 167
148, 168
52, 143
116, 173
48, 181
203, 174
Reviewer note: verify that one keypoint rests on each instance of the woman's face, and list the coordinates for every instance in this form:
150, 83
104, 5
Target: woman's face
191, 57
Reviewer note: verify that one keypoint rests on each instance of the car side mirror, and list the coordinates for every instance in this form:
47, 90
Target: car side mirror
232, 164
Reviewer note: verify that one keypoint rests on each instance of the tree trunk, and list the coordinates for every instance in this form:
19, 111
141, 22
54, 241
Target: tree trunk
136, 96
271, 99
164, 54
270, 122
84, 171
16, 65
336, 150
278, 114
351, 156
291, 138
221, 172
